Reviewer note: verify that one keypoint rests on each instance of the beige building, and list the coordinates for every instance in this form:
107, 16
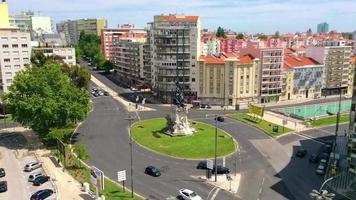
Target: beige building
72, 28
66, 53
15, 49
228, 79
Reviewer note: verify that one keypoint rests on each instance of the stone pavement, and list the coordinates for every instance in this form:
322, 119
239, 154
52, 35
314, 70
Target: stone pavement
128, 105
222, 182
67, 187
289, 122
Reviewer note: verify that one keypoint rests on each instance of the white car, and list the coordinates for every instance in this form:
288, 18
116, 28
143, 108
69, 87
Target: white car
32, 166
189, 195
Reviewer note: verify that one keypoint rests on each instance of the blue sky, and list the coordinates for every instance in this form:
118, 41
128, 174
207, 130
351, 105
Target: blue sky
239, 15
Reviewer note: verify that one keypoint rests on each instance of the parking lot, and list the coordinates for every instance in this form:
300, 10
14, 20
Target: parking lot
13, 161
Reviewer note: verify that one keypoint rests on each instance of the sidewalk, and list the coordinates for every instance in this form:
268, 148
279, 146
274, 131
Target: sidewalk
128, 105
222, 182
68, 187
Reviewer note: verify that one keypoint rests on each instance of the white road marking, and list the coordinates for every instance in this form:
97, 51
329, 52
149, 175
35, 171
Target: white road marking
215, 194
310, 138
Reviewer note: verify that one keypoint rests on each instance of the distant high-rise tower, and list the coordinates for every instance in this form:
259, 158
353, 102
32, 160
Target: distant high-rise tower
323, 27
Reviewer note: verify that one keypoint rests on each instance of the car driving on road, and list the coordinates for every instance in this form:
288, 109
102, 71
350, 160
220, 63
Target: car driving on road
221, 170
187, 194
301, 153
152, 171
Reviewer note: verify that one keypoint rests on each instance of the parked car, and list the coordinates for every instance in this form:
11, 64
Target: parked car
301, 153
208, 106
32, 166
40, 180
2, 172
324, 156
327, 148
3, 186
221, 170
106, 93
220, 119
313, 158
33, 176
202, 165
320, 170
187, 194
152, 171
42, 194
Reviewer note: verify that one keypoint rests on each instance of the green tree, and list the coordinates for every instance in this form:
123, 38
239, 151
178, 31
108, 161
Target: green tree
81, 151
107, 65
220, 32
240, 36
44, 98
276, 35
262, 37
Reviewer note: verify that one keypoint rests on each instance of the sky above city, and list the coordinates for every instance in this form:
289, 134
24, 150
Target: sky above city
240, 15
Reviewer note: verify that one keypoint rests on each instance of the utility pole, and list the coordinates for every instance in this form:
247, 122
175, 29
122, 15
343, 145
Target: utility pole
216, 148
130, 119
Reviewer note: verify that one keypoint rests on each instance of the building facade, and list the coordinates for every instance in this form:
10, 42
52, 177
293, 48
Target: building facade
210, 46
175, 47
323, 27
72, 28
66, 53
15, 49
338, 69
35, 23
128, 58
303, 78
228, 80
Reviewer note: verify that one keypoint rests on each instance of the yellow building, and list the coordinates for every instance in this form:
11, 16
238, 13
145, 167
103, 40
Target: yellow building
228, 79
4, 15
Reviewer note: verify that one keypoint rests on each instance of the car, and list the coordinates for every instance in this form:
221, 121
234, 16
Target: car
187, 194
320, 170
40, 180
220, 119
89, 64
221, 170
32, 166
313, 158
203, 105
202, 165
3, 186
33, 176
327, 148
106, 93
100, 93
208, 106
152, 171
2, 172
95, 94
133, 89
324, 156
301, 153
42, 194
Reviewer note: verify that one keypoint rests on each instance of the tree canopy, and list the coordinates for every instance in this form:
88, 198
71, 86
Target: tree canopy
220, 32
240, 36
276, 35
44, 97
262, 37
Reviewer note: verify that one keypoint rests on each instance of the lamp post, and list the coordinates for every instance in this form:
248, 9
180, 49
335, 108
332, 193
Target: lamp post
322, 194
130, 119
216, 143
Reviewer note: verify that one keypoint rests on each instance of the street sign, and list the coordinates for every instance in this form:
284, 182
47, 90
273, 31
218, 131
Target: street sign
209, 164
97, 178
121, 176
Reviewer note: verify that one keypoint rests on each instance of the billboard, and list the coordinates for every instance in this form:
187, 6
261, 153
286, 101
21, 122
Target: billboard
257, 110
97, 178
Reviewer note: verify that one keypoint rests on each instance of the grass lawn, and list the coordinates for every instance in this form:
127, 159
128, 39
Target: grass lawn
261, 124
200, 145
329, 120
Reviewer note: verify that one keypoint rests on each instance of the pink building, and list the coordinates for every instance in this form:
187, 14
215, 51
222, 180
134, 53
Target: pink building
231, 45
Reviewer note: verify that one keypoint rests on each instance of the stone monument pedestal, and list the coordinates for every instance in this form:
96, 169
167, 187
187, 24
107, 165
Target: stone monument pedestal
178, 124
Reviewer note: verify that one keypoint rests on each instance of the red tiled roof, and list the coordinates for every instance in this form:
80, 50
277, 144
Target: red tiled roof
246, 59
209, 59
178, 18
292, 61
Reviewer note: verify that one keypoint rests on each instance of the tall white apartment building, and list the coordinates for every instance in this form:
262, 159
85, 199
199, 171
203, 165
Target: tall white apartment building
15, 49
175, 48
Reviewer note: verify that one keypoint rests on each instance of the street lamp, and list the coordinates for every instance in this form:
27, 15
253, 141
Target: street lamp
216, 144
322, 194
130, 119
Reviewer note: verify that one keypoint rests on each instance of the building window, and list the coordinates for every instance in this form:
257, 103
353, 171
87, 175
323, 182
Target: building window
6, 59
70, 57
15, 46
15, 52
23, 38
16, 59
193, 79
7, 67
9, 80
24, 52
8, 74
5, 46
24, 45
4, 39
6, 53
25, 59
17, 66
14, 39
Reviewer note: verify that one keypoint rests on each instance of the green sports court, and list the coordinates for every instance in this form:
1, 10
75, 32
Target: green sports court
317, 110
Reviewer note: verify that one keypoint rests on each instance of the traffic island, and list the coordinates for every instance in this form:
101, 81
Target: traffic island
200, 145
227, 182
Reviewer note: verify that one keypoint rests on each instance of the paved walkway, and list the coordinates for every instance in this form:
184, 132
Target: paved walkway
68, 188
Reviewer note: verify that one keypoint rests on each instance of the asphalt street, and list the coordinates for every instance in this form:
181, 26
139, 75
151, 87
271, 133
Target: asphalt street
268, 167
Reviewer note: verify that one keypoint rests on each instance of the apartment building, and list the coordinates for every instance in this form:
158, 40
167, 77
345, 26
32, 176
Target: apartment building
110, 35
15, 49
271, 77
303, 77
66, 53
175, 47
72, 28
231, 45
338, 69
128, 58
210, 46
322, 27
32, 22
227, 79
